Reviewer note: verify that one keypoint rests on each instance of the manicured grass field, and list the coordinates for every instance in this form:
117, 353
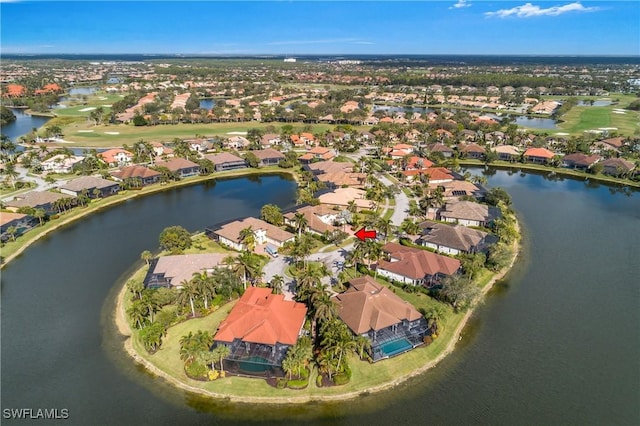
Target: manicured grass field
582, 118
82, 133
78, 107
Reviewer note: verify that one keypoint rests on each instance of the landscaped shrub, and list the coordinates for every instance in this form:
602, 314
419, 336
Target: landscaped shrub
298, 384
213, 374
281, 383
319, 381
427, 340
341, 379
195, 370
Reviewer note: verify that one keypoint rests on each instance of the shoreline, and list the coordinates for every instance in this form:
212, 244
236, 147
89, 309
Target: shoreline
141, 193
119, 317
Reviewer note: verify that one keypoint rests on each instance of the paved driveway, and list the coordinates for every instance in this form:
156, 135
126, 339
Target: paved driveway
402, 203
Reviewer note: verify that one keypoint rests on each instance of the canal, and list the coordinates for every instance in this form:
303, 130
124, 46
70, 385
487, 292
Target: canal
557, 342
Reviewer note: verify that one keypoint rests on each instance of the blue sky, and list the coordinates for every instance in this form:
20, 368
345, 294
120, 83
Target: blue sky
317, 27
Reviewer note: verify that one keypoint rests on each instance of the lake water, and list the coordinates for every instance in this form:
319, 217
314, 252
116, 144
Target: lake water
74, 91
536, 123
23, 124
599, 103
207, 103
557, 342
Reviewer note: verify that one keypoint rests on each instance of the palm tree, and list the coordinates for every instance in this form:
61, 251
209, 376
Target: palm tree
362, 344
245, 266
11, 173
137, 314
301, 222
205, 286
385, 226
248, 238
190, 347
150, 304
135, 287
221, 352
186, 295
146, 256
40, 214
277, 282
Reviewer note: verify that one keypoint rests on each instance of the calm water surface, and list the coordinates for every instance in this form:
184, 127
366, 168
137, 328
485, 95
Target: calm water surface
23, 124
556, 343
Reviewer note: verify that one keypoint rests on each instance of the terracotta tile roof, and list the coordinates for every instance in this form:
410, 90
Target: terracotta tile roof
330, 167
437, 173
134, 172
264, 154
181, 267
618, 163
455, 236
109, 155
312, 213
8, 217
14, 90
539, 152
223, 157
367, 305
231, 230
471, 147
262, 317
177, 163
306, 157
470, 211
415, 263
35, 199
88, 182
615, 142
507, 149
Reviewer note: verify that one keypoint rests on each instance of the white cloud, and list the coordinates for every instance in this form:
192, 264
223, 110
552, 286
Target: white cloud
528, 10
461, 4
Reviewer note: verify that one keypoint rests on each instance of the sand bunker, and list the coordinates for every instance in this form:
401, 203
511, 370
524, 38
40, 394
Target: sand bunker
111, 133
107, 106
237, 133
85, 131
86, 109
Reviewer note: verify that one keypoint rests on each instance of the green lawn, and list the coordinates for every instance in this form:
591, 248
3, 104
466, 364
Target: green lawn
79, 107
82, 133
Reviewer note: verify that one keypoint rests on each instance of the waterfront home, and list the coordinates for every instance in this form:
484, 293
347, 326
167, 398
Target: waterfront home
342, 197
507, 152
174, 271
264, 233
538, 155
438, 174
181, 166
617, 166
320, 219
136, 176
268, 157
469, 213
21, 223
454, 239
38, 200
446, 151
415, 266
391, 325
259, 331
61, 163
226, 161
116, 157
457, 188
329, 167
580, 161
93, 186
472, 150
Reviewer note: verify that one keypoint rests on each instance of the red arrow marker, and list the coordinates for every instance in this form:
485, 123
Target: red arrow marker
362, 234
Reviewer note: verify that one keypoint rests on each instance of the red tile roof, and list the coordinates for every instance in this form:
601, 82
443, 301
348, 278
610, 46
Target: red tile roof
539, 152
416, 263
262, 317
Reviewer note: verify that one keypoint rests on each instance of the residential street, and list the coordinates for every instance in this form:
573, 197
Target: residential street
402, 203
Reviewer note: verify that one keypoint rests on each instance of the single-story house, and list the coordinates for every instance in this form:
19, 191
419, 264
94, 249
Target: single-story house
61, 163
415, 266
507, 152
337, 180
468, 213
580, 161
446, 151
472, 150
617, 166
454, 239
37, 200
259, 331
137, 174
269, 156
458, 188
226, 161
538, 155
90, 184
182, 166
173, 271
392, 325
270, 139
237, 142
264, 233
329, 167
20, 222
343, 196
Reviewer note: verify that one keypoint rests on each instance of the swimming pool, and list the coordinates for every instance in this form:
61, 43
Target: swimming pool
254, 364
397, 346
